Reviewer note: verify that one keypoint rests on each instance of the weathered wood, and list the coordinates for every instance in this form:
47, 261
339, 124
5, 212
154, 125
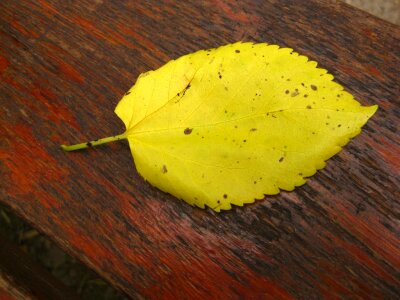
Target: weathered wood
22, 278
64, 66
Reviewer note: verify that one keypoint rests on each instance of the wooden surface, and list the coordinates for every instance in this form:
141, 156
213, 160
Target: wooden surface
64, 66
22, 278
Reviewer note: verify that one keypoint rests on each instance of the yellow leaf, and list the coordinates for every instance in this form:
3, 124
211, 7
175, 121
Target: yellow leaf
229, 125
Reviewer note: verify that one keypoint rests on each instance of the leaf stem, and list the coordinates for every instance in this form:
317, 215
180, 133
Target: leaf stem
93, 143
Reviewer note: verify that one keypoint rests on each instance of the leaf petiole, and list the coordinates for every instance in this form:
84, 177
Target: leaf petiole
93, 143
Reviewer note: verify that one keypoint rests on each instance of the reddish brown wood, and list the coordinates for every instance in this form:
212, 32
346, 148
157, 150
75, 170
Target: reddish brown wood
5, 294
64, 66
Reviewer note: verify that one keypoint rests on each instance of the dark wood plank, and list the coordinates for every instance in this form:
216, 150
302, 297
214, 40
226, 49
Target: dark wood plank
64, 66
22, 278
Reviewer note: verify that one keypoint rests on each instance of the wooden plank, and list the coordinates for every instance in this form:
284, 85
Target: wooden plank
64, 66
22, 278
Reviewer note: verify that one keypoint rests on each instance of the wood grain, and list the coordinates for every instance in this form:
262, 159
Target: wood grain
64, 65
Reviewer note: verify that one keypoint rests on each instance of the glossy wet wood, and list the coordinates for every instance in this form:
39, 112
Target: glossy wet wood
64, 65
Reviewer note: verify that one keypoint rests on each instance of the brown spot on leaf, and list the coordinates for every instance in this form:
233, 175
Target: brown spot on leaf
313, 87
188, 131
308, 107
225, 196
294, 94
164, 169
281, 159
237, 51
253, 129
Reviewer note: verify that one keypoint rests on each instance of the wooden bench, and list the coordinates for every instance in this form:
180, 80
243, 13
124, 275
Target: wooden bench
64, 65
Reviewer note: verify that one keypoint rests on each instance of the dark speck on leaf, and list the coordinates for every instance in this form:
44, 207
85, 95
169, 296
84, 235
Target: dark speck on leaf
244, 141
305, 95
255, 182
294, 94
89, 144
237, 51
287, 92
253, 129
300, 174
309, 107
339, 125
313, 87
188, 131
281, 159
164, 169
225, 196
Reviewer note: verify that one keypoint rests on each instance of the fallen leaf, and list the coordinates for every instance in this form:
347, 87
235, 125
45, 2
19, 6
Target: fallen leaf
229, 125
